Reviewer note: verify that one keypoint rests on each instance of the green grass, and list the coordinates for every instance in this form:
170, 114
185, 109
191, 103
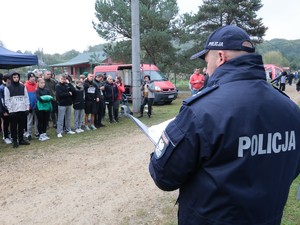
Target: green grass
291, 215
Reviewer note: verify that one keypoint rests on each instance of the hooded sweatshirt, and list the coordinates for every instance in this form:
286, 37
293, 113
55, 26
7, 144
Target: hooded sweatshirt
31, 89
16, 96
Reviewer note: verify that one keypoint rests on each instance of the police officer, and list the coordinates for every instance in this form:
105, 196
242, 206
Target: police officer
234, 148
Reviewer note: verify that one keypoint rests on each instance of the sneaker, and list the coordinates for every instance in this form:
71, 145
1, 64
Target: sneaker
93, 127
87, 127
46, 136
59, 135
42, 138
37, 136
70, 132
81, 130
29, 138
78, 131
7, 141
101, 125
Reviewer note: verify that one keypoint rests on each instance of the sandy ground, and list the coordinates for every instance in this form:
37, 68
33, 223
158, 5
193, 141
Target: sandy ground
87, 184
95, 183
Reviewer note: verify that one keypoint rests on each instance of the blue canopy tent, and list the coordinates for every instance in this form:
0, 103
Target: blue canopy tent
10, 59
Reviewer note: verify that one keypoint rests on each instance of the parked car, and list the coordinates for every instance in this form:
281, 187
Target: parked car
165, 90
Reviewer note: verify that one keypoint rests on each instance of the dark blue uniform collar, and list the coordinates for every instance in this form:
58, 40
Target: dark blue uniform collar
239, 69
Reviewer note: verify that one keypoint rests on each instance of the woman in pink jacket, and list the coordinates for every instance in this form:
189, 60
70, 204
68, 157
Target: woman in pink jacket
121, 90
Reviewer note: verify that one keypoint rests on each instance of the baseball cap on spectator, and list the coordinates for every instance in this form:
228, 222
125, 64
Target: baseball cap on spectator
228, 37
85, 74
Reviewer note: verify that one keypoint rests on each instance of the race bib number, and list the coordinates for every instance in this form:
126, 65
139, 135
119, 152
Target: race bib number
91, 90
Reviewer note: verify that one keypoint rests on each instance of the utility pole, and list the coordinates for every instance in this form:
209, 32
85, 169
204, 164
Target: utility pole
136, 72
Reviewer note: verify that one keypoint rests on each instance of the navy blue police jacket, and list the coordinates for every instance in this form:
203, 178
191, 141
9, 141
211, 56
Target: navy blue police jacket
233, 150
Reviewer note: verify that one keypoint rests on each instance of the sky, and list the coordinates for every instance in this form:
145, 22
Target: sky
57, 26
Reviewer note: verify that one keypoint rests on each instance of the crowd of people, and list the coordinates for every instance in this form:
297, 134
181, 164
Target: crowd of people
26, 108
289, 78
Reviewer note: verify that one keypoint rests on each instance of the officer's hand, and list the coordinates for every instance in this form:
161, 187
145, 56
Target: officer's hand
30, 110
26, 112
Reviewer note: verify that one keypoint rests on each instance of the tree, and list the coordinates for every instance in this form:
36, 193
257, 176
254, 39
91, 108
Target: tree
157, 28
275, 57
216, 13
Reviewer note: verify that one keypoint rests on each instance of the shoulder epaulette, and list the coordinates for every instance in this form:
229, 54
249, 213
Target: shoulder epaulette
199, 95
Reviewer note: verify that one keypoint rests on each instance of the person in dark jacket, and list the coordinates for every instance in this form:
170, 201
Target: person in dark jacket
50, 84
5, 115
101, 104
92, 97
64, 96
78, 105
234, 148
111, 94
17, 103
43, 109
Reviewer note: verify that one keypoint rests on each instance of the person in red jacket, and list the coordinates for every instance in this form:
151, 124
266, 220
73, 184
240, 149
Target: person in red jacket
121, 90
196, 81
32, 119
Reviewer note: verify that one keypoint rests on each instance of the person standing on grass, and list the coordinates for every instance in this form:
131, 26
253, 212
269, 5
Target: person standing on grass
32, 120
233, 150
121, 90
5, 115
101, 104
17, 103
282, 82
111, 94
92, 97
50, 84
78, 105
64, 96
43, 110
147, 90
196, 81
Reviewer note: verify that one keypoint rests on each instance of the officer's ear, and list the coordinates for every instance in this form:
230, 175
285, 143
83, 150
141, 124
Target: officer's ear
221, 58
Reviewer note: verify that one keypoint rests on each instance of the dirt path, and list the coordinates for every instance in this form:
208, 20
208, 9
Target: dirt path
81, 185
97, 183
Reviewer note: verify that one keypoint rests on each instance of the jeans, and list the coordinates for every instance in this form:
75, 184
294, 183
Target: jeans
64, 112
32, 120
78, 118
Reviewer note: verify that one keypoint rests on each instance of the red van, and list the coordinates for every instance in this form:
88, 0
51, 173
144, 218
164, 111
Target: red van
165, 91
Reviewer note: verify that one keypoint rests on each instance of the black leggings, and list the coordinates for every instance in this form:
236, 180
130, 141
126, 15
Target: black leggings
146, 101
17, 123
43, 118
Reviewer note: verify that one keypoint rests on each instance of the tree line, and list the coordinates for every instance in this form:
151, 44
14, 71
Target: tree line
169, 38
